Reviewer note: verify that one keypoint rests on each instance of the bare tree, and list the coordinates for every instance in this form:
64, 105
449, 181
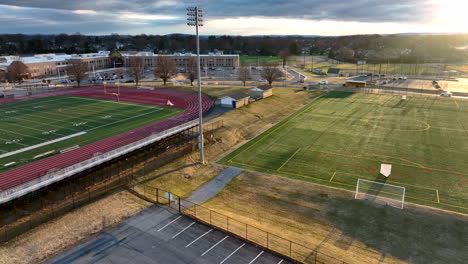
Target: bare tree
3, 76
165, 68
284, 55
244, 75
17, 71
136, 68
191, 69
77, 69
271, 73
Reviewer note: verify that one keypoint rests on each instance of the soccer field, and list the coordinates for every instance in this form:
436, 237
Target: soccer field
344, 136
35, 129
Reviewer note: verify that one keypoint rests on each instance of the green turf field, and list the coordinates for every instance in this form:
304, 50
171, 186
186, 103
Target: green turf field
253, 60
344, 136
35, 129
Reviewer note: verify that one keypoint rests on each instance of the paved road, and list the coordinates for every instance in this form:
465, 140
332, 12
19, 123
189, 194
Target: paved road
159, 235
213, 187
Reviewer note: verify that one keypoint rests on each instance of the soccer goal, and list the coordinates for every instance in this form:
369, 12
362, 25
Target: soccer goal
379, 192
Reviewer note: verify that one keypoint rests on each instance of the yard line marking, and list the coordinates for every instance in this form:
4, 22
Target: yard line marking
199, 238
292, 156
438, 199
256, 257
331, 179
122, 120
183, 230
169, 223
219, 242
40, 145
39, 116
108, 101
281, 261
36, 129
6, 140
8, 131
230, 255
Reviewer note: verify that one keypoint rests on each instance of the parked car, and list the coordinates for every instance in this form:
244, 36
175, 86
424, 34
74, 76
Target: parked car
437, 86
324, 82
446, 94
129, 81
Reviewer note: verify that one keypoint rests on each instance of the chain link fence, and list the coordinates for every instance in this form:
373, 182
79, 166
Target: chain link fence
264, 239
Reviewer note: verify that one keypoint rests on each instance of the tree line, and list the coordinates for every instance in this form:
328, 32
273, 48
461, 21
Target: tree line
373, 48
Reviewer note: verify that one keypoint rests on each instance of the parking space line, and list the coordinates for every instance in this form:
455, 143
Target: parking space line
253, 260
169, 223
230, 255
219, 242
183, 230
281, 261
199, 238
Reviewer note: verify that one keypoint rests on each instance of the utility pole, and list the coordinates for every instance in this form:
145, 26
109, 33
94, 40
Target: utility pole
195, 19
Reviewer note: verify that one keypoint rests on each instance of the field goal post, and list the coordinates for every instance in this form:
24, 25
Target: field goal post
383, 193
116, 94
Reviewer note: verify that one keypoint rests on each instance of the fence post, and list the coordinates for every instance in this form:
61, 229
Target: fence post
210, 216
179, 203
268, 239
290, 248
246, 233
157, 195
227, 223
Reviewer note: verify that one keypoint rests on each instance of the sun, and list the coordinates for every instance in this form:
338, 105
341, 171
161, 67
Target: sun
452, 14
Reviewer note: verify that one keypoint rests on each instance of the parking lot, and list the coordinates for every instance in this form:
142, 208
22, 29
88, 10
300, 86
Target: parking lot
159, 235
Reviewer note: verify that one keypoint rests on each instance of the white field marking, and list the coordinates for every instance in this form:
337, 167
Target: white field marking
43, 131
281, 261
49, 124
219, 242
253, 260
107, 101
122, 120
41, 139
176, 235
9, 164
44, 154
234, 252
6, 140
40, 145
189, 244
169, 223
70, 149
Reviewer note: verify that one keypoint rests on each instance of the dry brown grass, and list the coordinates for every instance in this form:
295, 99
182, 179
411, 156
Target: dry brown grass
334, 223
63, 232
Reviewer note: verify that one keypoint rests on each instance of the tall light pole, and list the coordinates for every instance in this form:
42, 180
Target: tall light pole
195, 19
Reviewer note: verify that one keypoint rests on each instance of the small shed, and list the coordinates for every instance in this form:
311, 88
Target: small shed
357, 81
334, 72
261, 92
236, 100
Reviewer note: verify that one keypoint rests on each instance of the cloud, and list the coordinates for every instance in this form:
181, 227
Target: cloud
340, 10
168, 16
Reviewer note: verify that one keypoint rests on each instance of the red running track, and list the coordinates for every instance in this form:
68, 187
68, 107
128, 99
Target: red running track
181, 99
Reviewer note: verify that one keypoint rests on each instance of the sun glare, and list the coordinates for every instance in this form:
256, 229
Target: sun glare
453, 14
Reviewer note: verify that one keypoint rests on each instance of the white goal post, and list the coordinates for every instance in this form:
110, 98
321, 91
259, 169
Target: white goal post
379, 192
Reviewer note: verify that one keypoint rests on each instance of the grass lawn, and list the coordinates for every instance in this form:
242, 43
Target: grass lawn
343, 136
252, 60
35, 129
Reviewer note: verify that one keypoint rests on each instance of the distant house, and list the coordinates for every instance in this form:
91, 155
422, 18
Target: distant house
357, 81
236, 100
334, 72
261, 92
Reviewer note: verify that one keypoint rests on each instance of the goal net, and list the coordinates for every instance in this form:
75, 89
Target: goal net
379, 192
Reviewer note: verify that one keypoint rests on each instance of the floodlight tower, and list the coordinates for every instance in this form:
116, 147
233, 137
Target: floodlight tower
195, 19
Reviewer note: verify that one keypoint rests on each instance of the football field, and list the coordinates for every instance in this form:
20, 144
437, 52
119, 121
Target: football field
344, 136
31, 130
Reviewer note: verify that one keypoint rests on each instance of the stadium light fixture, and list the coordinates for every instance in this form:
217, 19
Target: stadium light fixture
195, 19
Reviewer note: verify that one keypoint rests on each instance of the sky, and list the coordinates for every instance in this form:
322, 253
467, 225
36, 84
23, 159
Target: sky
234, 17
